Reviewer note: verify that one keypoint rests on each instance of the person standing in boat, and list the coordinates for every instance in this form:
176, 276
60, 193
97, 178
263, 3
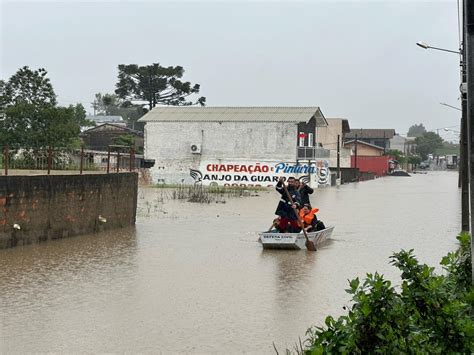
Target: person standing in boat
288, 218
304, 191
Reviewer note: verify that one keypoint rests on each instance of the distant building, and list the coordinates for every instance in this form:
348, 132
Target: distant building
327, 137
370, 158
100, 137
99, 120
378, 137
364, 148
235, 145
406, 145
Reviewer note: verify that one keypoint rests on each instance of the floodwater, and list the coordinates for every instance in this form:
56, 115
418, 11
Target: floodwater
191, 278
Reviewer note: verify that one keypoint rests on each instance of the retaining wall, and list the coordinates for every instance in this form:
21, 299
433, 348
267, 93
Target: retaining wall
39, 208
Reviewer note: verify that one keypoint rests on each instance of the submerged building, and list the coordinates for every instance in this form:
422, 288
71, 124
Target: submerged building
235, 145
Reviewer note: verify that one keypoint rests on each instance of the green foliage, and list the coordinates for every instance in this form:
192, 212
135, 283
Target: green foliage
156, 85
30, 87
111, 104
429, 313
31, 117
126, 140
414, 159
428, 143
396, 154
103, 103
29, 126
417, 130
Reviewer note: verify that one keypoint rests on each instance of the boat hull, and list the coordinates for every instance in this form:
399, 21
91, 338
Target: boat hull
295, 241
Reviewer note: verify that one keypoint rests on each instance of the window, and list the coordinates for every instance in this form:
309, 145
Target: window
310, 140
301, 139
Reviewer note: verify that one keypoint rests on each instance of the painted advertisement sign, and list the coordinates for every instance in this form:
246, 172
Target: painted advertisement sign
259, 173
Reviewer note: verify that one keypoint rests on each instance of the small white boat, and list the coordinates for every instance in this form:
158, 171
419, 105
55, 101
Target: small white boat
271, 240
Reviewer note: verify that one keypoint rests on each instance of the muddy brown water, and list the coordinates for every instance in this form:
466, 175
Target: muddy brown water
191, 278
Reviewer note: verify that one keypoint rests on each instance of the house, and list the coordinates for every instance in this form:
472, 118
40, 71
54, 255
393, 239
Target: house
100, 137
368, 158
99, 120
378, 137
406, 145
328, 138
364, 148
234, 145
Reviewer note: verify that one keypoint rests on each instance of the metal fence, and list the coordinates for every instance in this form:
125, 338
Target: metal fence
312, 153
116, 159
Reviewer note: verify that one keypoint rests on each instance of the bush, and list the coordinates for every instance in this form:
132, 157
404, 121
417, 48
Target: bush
429, 313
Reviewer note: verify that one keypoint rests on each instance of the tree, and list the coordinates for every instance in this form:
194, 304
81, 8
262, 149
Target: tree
29, 86
417, 130
31, 117
427, 144
156, 85
111, 104
27, 126
397, 155
414, 160
104, 103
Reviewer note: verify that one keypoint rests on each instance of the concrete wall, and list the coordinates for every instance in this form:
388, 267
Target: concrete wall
58, 206
327, 136
169, 144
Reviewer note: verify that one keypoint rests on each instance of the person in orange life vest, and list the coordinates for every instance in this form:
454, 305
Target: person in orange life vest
308, 216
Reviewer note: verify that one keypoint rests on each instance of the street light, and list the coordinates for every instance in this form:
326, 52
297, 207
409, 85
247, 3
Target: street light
425, 46
454, 107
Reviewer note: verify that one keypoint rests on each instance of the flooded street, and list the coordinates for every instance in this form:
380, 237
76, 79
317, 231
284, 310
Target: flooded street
191, 278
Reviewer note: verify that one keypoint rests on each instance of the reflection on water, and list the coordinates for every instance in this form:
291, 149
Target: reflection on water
192, 278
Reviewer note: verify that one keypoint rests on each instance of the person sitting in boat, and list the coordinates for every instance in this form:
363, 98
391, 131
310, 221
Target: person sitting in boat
304, 191
275, 228
285, 209
308, 216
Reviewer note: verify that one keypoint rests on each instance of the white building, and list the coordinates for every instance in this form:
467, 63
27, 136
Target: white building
406, 145
234, 145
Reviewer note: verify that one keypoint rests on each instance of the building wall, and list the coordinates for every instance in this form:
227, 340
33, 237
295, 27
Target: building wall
375, 165
327, 136
363, 150
398, 143
101, 137
58, 206
344, 158
230, 142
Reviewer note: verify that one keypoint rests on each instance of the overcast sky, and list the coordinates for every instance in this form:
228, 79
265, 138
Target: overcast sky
354, 59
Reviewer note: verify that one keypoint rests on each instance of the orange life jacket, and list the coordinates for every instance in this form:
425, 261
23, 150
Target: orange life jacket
308, 218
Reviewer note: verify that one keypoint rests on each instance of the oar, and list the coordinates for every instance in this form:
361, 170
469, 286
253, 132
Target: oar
309, 244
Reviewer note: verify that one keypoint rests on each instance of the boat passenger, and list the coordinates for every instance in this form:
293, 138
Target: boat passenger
288, 218
308, 216
305, 191
275, 228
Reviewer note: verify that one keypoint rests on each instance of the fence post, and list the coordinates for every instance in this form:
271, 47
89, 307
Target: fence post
6, 154
108, 160
118, 161
82, 159
49, 159
132, 159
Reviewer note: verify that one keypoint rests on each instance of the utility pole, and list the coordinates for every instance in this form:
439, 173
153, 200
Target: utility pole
338, 157
384, 143
469, 66
464, 163
355, 153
